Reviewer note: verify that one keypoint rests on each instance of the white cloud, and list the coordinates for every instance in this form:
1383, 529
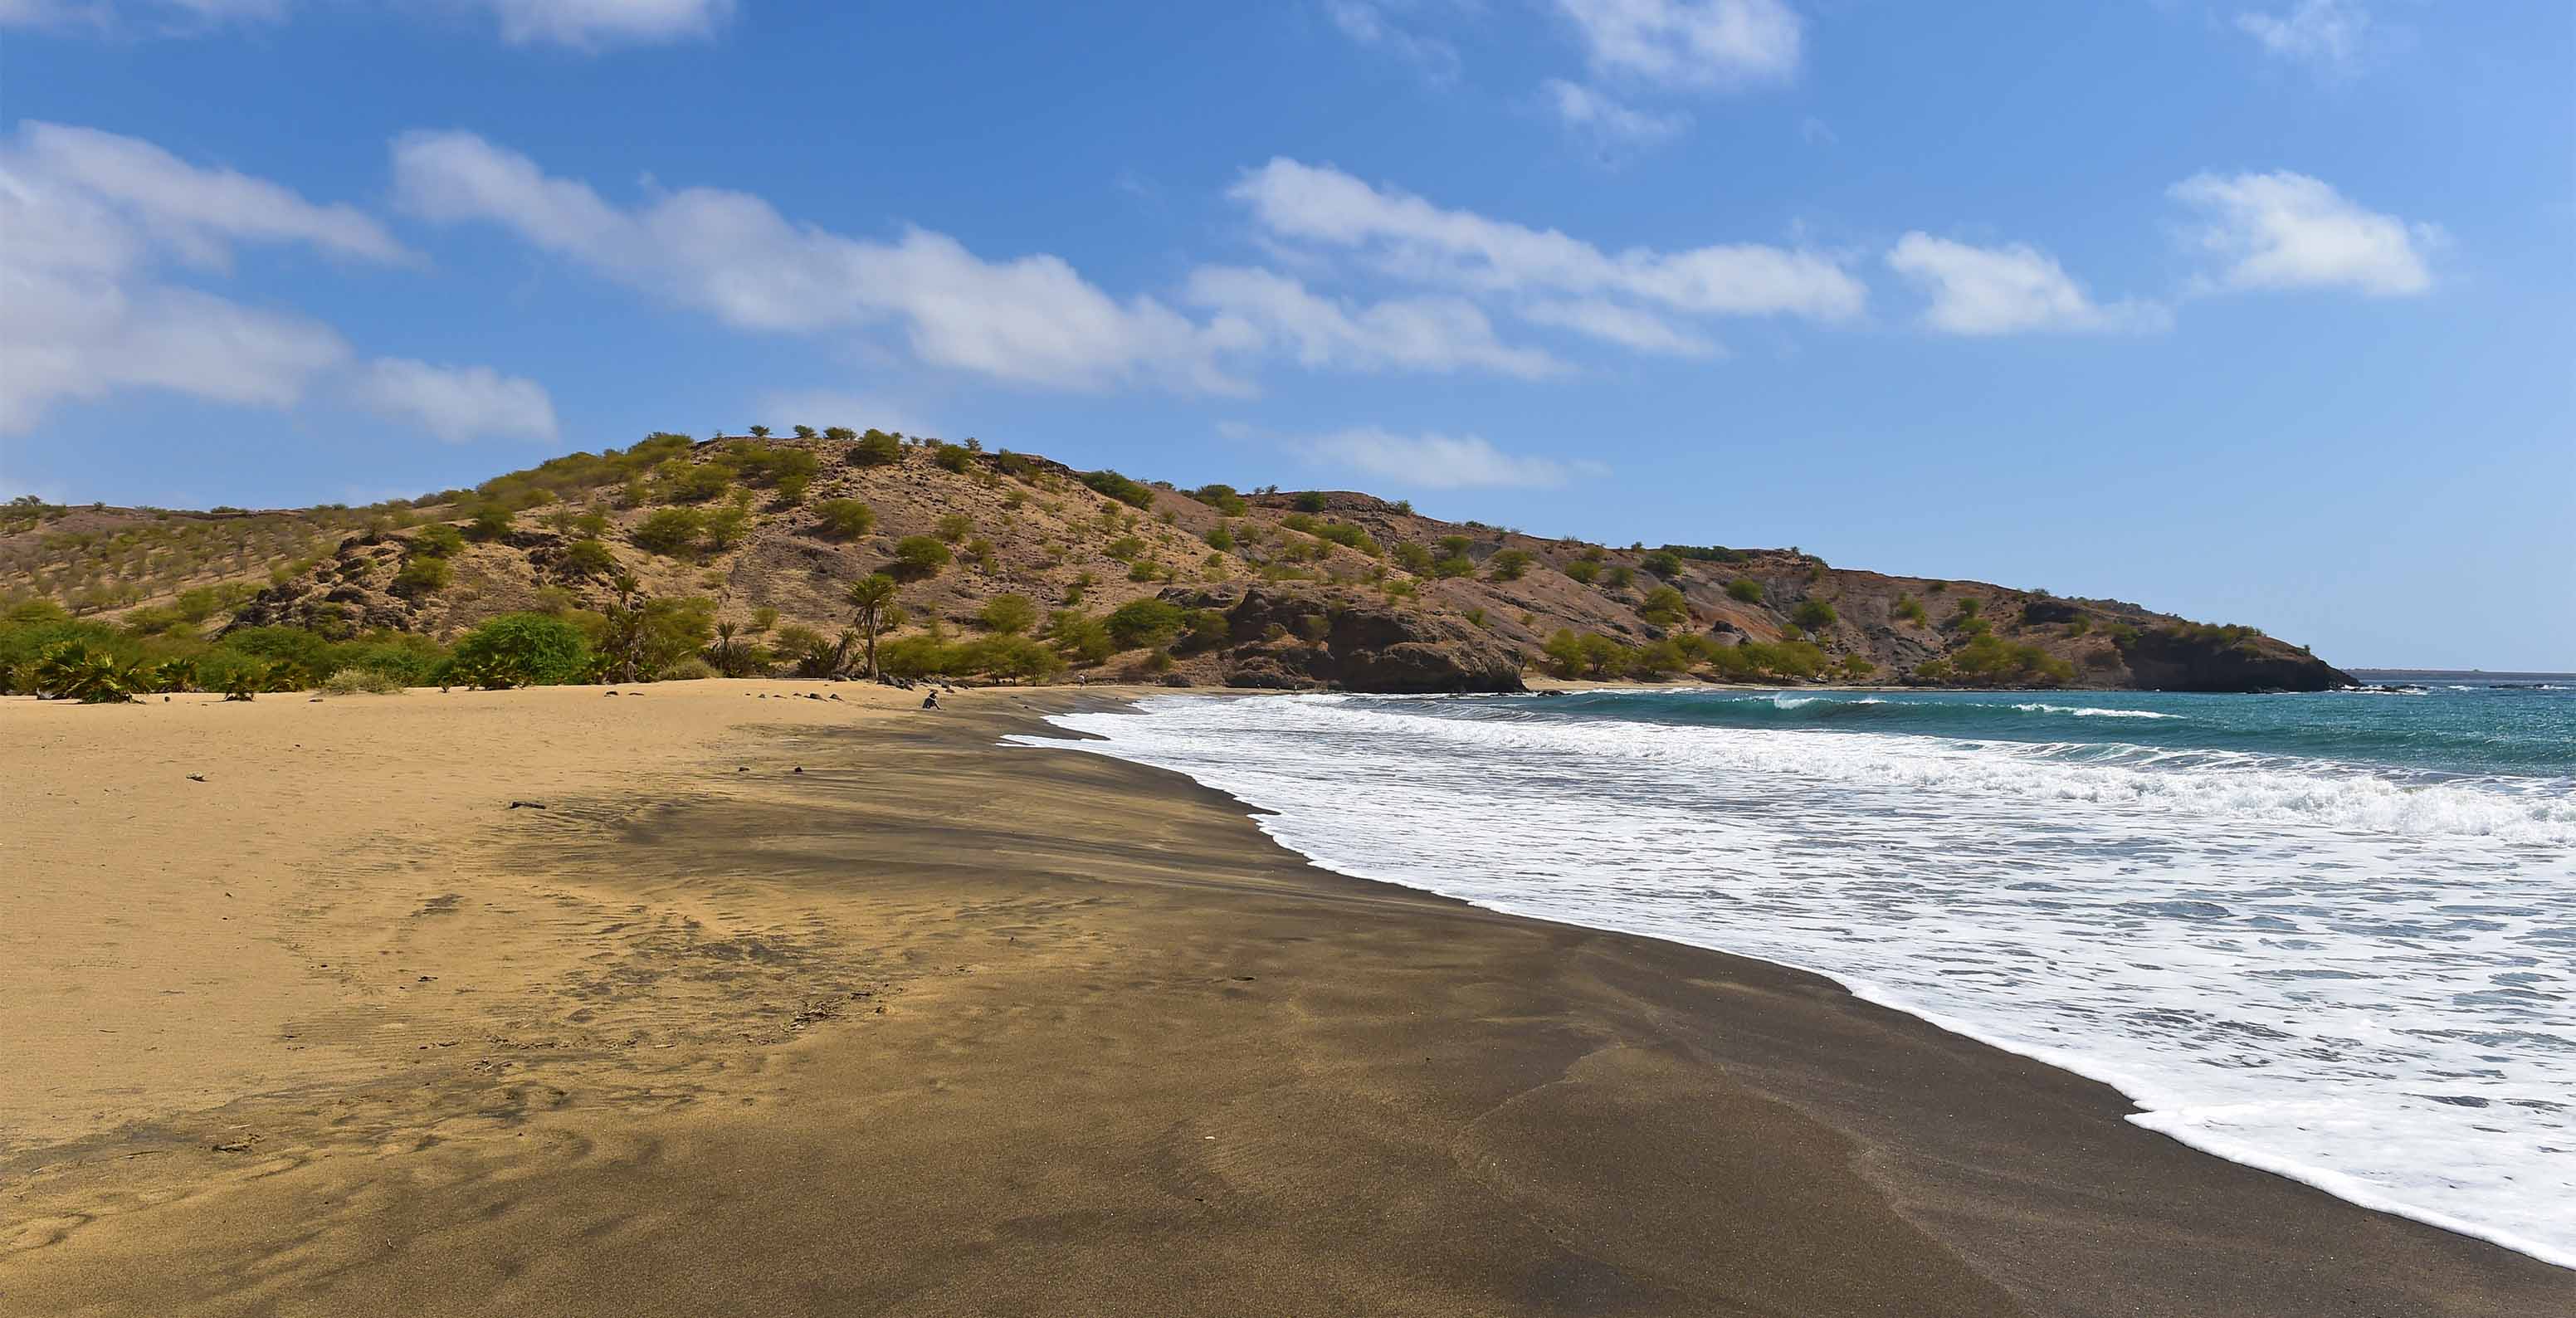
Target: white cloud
92, 218
1625, 326
195, 211
1372, 23
2286, 230
591, 24
579, 24
2008, 290
1429, 334
1032, 320
1417, 240
1442, 462
1606, 120
1690, 43
2329, 36
456, 403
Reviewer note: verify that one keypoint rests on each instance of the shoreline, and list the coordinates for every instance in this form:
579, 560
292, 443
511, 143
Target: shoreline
2157, 1109
981, 1010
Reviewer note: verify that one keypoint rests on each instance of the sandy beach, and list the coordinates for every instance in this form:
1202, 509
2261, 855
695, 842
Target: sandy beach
718, 997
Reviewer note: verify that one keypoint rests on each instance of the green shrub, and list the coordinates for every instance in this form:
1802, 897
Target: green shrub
1205, 629
1222, 498
490, 522
876, 449
845, 519
694, 482
955, 526
688, 668
1124, 548
1457, 566
917, 558
1664, 607
1663, 563
1508, 564
669, 531
1133, 493
951, 457
1144, 623
437, 539
523, 649
361, 682
422, 576
1745, 590
1813, 614
1080, 637
1009, 614
1219, 538
1308, 501
1910, 610
1585, 570
1413, 558
588, 558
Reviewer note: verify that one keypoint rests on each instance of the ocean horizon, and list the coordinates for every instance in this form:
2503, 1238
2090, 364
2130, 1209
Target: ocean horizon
2325, 935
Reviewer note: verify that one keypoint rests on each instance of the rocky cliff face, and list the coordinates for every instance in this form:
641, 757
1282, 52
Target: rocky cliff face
2194, 660
1291, 640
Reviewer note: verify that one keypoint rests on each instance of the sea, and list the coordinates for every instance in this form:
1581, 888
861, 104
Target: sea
2330, 935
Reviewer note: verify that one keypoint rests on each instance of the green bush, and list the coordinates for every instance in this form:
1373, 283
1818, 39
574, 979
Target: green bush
1009, 614
1910, 610
523, 649
1205, 629
1664, 607
1144, 623
1219, 538
1079, 636
845, 519
1813, 614
1663, 563
689, 668
951, 457
1585, 570
422, 576
876, 449
361, 682
1508, 564
955, 526
1744, 589
1133, 493
437, 539
1309, 501
1222, 498
490, 522
588, 558
917, 558
669, 531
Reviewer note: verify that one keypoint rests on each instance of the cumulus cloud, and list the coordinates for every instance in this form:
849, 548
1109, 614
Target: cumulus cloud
2329, 36
1605, 120
1417, 240
456, 403
1031, 320
1441, 462
1690, 43
2014, 289
2286, 230
1438, 334
93, 222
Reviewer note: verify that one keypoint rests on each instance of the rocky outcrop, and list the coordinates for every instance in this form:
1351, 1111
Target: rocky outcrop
2209, 659
1288, 640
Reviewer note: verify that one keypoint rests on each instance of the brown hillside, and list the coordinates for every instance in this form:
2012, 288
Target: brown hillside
1317, 588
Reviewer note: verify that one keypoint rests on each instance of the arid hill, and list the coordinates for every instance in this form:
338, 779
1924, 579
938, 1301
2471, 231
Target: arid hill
1280, 590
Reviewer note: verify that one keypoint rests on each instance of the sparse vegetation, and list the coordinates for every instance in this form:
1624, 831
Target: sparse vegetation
1744, 590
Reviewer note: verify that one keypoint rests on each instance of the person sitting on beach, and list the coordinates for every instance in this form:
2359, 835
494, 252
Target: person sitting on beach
930, 701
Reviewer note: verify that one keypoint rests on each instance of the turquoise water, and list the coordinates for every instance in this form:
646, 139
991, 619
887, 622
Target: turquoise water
2330, 935
2434, 724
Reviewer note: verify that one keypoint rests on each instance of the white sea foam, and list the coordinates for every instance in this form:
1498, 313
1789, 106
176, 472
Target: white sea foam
2087, 711
2360, 982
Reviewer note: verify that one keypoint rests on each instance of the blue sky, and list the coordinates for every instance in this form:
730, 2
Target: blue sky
2258, 310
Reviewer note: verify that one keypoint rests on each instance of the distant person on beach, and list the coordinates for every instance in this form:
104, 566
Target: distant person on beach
930, 701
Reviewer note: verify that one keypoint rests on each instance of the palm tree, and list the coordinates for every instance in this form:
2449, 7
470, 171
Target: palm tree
871, 597
728, 655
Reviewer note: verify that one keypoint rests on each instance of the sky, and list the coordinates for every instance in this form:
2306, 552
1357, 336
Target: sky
2258, 311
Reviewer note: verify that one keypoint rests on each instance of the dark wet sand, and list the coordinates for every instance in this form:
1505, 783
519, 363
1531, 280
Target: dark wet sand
1003, 1031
